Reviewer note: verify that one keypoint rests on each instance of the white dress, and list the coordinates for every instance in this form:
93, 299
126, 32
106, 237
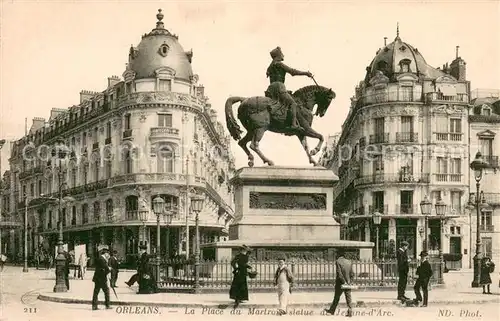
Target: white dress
283, 290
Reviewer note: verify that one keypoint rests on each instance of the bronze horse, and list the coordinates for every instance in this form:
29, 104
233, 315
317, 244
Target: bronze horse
260, 114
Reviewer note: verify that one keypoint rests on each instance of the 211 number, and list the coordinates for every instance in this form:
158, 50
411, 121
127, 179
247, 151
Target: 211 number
29, 310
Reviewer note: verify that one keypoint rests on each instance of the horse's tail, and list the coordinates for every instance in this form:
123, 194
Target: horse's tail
231, 123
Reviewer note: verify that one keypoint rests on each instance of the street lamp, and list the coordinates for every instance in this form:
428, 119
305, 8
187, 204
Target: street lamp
158, 209
478, 165
425, 207
440, 212
344, 220
196, 206
377, 219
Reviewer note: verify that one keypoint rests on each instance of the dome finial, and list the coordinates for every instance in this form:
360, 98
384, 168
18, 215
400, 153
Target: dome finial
397, 30
159, 23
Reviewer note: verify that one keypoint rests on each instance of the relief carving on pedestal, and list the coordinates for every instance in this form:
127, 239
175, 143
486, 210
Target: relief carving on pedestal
295, 201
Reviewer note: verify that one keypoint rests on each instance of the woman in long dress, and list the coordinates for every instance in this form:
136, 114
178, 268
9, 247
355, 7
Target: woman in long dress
239, 286
487, 267
283, 279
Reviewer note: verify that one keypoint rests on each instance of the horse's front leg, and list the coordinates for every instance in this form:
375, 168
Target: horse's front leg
303, 142
309, 132
254, 145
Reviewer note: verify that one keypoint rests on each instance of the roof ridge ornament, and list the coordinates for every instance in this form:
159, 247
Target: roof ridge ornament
397, 30
160, 27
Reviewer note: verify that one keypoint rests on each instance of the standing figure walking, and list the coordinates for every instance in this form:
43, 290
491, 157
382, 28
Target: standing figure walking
114, 265
283, 279
403, 268
487, 267
424, 273
343, 281
239, 286
100, 278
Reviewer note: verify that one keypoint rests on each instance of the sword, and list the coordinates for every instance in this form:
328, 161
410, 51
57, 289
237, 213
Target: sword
315, 81
114, 291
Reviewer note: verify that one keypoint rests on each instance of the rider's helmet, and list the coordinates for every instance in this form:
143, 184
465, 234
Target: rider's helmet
276, 53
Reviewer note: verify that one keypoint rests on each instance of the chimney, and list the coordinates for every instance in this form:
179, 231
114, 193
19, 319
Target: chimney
456, 52
385, 41
458, 67
38, 122
86, 95
113, 80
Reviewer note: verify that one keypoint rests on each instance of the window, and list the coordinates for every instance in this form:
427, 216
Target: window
127, 161
85, 174
487, 245
407, 124
96, 135
486, 146
84, 139
73, 177
73, 215
164, 85
63, 217
406, 199
49, 185
107, 168
379, 124
455, 200
96, 170
108, 130
165, 159
486, 218
406, 93
486, 111
73, 141
378, 164
441, 124
378, 201
455, 125
32, 189
49, 220
164, 120
442, 165
85, 213
97, 211
407, 163
436, 195
127, 122
128, 87
456, 166
109, 209
40, 189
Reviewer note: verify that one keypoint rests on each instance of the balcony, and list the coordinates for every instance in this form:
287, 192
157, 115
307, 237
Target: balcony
487, 228
107, 141
95, 146
440, 97
453, 178
381, 138
392, 94
164, 132
393, 178
359, 211
407, 209
132, 215
382, 209
406, 137
449, 137
127, 134
491, 160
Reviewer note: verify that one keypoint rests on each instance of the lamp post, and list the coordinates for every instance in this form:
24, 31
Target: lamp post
440, 211
344, 221
61, 152
478, 165
377, 219
196, 206
158, 209
426, 207
2, 142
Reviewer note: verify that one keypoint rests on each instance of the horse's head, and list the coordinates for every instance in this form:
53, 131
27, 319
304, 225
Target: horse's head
324, 97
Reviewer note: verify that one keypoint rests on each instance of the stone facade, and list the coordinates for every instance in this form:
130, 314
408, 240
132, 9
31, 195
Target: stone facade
152, 132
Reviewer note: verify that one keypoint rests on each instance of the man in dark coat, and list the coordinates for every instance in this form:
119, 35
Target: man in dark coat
67, 263
344, 276
100, 278
146, 275
141, 262
403, 268
239, 286
424, 273
114, 265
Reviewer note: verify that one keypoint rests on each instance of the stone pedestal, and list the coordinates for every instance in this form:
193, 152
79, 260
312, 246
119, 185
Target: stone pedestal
285, 209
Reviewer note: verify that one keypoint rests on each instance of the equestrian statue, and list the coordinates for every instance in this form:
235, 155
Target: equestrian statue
280, 111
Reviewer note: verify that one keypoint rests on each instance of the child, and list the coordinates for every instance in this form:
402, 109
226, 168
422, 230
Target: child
424, 273
283, 279
487, 267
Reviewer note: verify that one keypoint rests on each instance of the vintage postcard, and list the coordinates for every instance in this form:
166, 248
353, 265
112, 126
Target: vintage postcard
249, 160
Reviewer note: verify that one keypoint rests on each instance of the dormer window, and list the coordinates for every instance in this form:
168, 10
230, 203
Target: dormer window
163, 51
404, 65
382, 66
486, 111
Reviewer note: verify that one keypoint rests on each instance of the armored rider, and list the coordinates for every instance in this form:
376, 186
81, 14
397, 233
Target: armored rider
276, 72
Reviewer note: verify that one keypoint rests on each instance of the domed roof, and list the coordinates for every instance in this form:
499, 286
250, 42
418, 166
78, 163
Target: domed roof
401, 57
160, 49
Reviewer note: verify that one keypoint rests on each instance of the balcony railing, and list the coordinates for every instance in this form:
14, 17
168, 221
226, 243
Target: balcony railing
393, 178
127, 133
487, 228
132, 215
407, 209
379, 138
406, 137
359, 211
382, 209
452, 137
164, 132
441, 97
95, 146
454, 178
491, 160
390, 95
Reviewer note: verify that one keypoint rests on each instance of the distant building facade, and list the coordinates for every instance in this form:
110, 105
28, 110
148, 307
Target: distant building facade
406, 137
152, 133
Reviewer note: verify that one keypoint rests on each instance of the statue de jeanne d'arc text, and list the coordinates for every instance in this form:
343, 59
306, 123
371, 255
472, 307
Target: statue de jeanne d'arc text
280, 111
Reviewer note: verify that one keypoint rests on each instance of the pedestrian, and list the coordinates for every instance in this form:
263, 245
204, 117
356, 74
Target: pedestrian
82, 265
141, 262
487, 267
283, 279
403, 268
343, 283
424, 273
114, 265
100, 278
67, 263
239, 286
3, 259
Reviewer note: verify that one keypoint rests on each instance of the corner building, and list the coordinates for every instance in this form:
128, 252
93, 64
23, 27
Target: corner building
405, 137
151, 133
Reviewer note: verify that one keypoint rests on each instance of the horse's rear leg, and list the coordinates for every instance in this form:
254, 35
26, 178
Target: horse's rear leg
243, 144
257, 137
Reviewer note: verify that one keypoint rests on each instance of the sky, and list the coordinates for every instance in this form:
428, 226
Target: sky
51, 50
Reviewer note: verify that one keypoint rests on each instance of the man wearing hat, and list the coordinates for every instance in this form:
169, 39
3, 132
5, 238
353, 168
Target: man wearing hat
424, 273
100, 277
141, 263
403, 268
344, 276
239, 286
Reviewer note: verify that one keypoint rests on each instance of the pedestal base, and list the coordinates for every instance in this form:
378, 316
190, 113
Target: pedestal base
60, 274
